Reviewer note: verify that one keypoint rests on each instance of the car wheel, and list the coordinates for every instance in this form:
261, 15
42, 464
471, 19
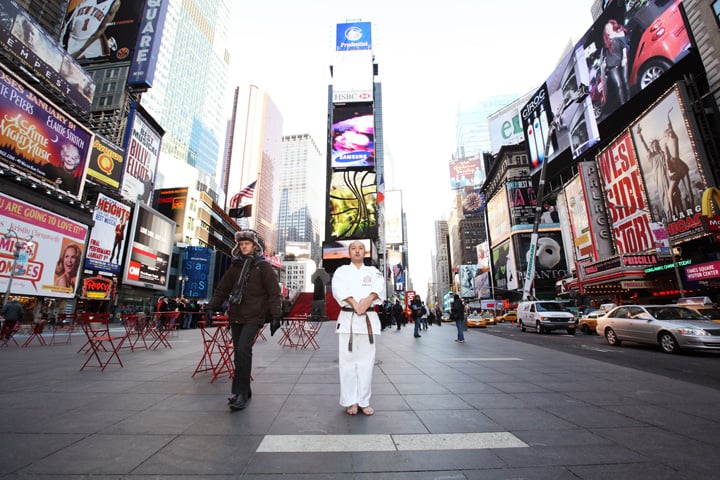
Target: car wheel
667, 342
651, 71
612, 338
538, 327
522, 326
585, 329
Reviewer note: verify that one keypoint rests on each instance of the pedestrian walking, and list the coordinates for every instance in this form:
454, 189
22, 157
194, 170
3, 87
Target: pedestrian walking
457, 314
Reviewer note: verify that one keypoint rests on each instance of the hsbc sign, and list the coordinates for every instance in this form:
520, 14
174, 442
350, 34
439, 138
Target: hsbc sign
349, 97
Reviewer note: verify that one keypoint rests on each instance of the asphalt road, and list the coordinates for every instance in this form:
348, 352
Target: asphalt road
702, 368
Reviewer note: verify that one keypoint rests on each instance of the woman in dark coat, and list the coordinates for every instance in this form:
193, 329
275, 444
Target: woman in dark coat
251, 288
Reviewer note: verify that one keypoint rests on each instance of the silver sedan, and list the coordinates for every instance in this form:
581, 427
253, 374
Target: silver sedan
669, 326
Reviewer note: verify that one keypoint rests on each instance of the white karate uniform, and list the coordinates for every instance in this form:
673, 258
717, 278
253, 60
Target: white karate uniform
356, 366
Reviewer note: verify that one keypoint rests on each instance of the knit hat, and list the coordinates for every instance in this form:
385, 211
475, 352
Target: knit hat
250, 235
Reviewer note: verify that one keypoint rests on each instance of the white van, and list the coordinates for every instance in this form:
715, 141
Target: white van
544, 316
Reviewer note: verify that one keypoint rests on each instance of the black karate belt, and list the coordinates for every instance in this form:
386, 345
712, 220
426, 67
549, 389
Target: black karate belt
371, 337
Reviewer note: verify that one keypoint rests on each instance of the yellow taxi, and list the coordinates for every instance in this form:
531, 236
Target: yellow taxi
510, 316
476, 320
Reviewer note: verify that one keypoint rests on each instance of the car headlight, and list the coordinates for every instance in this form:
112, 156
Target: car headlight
697, 332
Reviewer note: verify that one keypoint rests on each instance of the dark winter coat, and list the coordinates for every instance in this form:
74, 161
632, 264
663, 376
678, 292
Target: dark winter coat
262, 295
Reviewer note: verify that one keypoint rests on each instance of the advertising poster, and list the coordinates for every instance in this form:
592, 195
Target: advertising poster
147, 45
353, 136
473, 202
52, 248
521, 200
498, 217
579, 221
671, 168
467, 280
396, 269
103, 31
353, 36
172, 203
106, 162
30, 44
40, 139
353, 212
467, 172
503, 267
107, 237
142, 150
150, 248
550, 262
196, 265
622, 180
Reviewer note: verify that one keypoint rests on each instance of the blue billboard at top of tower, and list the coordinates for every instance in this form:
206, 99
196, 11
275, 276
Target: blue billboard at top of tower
353, 136
353, 36
623, 52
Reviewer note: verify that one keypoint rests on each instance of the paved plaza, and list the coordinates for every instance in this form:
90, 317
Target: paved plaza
491, 408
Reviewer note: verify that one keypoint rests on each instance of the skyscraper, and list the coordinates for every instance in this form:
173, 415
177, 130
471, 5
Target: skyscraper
301, 214
189, 94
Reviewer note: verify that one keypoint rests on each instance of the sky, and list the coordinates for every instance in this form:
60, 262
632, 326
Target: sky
434, 57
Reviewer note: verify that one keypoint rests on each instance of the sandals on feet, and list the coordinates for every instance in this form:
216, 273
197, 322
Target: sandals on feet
352, 409
367, 411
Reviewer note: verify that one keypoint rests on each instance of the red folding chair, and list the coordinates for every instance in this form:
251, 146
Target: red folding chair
100, 342
206, 362
133, 331
36, 333
223, 346
163, 325
310, 329
7, 335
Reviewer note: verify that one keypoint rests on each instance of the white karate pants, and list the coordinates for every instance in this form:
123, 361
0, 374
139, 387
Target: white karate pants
356, 369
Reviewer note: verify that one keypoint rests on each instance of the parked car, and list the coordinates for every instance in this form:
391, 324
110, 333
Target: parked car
588, 322
544, 316
671, 327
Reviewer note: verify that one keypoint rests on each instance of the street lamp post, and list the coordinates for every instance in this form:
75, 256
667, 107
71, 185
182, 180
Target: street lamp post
663, 222
16, 255
576, 97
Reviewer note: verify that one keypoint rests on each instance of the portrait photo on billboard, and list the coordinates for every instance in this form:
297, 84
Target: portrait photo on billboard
40, 139
149, 250
101, 30
106, 245
352, 205
550, 262
671, 167
142, 151
628, 47
467, 280
353, 136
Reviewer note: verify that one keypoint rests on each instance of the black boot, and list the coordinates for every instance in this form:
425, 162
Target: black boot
240, 402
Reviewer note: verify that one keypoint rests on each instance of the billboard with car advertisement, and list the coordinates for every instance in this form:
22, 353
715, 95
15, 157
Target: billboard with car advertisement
51, 250
40, 139
498, 217
150, 248
31, 45
353, 136
352, 205
107, 237
142, 151
106, 162
353, 36
671, 167
651, 36
99, 32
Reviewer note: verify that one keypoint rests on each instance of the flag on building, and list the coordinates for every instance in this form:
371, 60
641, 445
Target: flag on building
248, 192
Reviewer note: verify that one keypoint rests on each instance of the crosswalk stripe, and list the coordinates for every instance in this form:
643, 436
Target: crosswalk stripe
386, 443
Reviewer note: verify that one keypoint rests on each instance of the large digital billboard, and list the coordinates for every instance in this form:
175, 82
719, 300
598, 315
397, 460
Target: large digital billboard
172, 202
151, 242
30, 44
142, 151
352, 205
353, 36
104, 31
353, 136
396, 269
51, 250
40, 139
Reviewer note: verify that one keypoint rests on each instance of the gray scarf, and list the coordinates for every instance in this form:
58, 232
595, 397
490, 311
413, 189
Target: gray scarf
239, 289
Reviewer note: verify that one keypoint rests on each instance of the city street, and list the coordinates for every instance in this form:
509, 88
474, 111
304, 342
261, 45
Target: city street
496, 407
